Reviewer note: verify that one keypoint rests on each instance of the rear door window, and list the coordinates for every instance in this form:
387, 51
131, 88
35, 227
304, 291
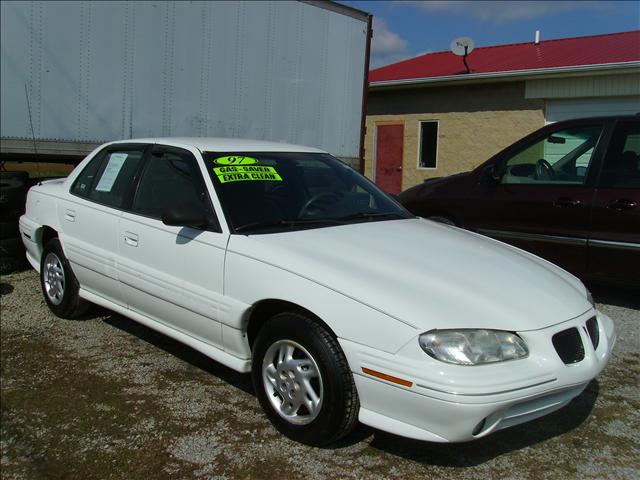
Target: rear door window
115, 176
622, 164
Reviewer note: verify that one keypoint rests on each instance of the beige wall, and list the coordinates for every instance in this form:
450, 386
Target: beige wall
618, 85
475, 122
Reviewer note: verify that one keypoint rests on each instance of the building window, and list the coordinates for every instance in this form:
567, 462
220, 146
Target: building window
428, 145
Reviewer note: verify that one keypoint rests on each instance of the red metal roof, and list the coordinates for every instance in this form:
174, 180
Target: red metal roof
564, 52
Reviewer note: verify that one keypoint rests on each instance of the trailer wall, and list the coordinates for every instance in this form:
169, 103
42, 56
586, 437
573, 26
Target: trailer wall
85, 72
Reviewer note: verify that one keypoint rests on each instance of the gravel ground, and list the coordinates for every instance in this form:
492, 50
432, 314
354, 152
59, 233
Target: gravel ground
104, 397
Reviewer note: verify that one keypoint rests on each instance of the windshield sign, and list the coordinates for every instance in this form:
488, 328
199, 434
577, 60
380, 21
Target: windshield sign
244, 173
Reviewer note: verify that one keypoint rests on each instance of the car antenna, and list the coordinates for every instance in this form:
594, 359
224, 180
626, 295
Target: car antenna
33, 135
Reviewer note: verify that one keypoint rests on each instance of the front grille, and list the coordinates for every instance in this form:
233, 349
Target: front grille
594, 332
569, 346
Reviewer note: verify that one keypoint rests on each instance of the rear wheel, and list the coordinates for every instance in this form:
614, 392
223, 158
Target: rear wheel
303, 381
59, 285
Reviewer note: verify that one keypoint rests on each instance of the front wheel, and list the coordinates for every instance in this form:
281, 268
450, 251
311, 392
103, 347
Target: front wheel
59, 285
303, 381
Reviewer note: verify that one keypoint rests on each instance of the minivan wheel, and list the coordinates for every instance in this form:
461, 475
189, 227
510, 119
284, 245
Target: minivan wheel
59, 285
303, 381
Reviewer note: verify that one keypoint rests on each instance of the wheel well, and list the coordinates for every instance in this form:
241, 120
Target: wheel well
265, 309
47, 234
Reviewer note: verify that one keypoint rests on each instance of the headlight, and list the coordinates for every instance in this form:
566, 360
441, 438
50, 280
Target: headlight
473, 347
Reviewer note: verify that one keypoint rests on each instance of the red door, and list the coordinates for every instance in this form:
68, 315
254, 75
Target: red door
389, 140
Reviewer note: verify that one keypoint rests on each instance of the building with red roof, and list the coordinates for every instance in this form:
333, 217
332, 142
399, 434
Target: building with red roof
428, 116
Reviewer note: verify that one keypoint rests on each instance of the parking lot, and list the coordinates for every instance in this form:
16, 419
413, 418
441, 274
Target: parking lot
104, 397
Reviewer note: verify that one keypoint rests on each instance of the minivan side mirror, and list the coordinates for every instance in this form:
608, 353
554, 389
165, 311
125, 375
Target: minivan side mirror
497, 171
185, 216
490, 175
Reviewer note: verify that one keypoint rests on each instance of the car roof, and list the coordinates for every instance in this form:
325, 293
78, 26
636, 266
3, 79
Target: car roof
213, 144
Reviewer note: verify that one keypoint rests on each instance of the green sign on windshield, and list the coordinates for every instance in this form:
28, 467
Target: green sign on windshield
236, 160
246, 173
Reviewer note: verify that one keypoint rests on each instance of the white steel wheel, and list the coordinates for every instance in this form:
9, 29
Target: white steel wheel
292, 382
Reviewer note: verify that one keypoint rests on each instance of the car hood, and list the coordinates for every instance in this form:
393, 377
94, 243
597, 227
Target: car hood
426, 274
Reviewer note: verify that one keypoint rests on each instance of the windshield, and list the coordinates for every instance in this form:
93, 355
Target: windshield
265, 192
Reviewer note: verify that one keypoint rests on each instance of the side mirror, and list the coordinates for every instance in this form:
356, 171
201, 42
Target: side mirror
490, 175
496, 172
185, 216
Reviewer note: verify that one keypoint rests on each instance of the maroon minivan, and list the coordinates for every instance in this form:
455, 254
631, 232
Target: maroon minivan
569, 192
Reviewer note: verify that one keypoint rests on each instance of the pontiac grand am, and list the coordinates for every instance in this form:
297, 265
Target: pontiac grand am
282, 261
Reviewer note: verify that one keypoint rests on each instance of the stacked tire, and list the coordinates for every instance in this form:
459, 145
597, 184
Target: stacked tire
13, 195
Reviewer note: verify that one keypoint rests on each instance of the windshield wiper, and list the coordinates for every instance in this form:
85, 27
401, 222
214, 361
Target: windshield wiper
287, 223
355, 216
315, 221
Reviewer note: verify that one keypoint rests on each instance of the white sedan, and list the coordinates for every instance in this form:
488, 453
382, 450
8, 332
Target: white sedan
282, 261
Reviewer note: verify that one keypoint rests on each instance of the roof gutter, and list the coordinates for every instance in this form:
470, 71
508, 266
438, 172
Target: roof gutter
520, 74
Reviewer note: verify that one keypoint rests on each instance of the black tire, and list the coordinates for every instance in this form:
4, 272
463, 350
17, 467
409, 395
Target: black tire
12, 264
68, 303
12, 257
338, 409
11, 247
13, 196
9, 229
21, 176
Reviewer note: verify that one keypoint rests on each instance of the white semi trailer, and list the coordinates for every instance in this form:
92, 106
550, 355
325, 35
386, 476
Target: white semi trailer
79, 73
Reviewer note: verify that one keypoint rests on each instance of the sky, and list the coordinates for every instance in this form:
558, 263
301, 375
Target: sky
404, 29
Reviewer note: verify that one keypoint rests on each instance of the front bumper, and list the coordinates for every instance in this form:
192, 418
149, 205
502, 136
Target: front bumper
449, 403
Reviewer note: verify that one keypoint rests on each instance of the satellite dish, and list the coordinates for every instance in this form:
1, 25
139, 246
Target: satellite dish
462, 46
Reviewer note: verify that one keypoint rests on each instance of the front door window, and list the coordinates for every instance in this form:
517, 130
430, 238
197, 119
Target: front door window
562, 157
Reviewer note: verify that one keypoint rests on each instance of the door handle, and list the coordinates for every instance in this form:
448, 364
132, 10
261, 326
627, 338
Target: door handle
70, 215
131, 239
622, 204
566, 202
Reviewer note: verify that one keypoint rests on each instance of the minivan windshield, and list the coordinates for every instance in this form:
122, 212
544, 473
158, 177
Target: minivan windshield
267, 192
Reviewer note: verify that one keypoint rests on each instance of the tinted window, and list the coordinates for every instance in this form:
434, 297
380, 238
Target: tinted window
622, 164
115, 176
83, 183
561, 157
428, 144
168, 179
272, 191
